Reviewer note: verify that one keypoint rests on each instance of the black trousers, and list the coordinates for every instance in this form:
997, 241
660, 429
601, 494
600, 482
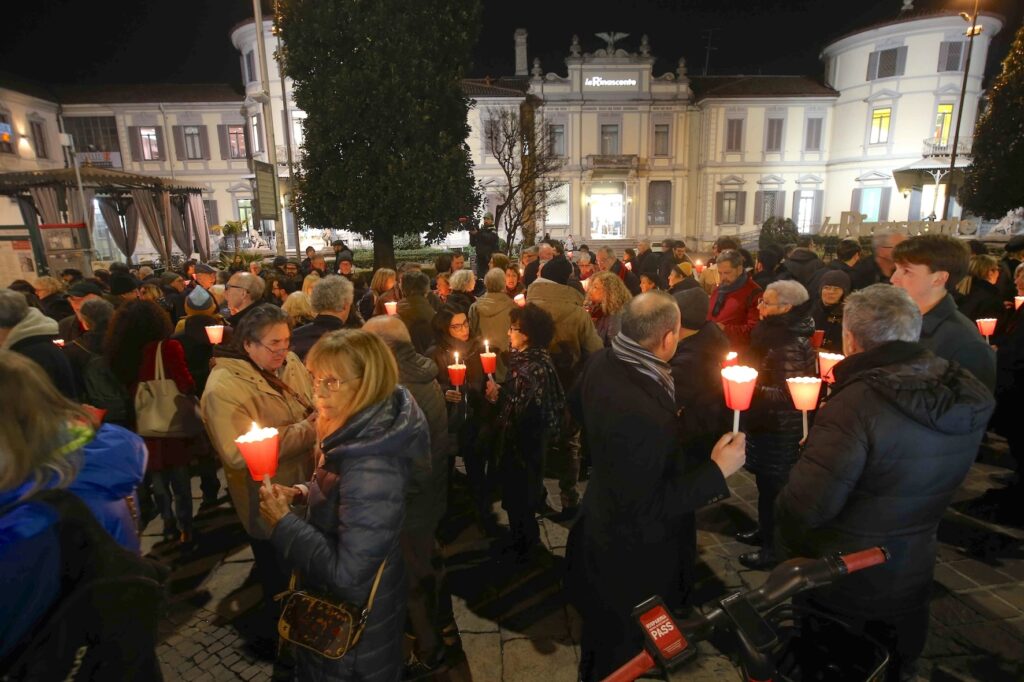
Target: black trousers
273, 576
768, 489
429, 607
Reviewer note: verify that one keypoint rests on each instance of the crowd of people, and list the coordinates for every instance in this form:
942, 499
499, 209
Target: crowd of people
599, 366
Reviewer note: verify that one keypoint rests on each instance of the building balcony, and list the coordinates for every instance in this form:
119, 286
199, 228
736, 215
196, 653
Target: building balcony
933, 147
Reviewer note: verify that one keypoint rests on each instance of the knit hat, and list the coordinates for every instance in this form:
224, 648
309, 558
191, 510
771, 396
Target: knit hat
123, 284
687, 268
693, 307
200, 302
83, 288
557, 270
836, 278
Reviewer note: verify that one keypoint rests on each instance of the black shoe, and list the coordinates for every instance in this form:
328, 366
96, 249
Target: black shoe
416, 669
759, 560
208, 504
750, 537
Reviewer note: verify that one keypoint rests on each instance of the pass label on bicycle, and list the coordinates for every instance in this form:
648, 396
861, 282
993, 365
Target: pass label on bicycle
662, 632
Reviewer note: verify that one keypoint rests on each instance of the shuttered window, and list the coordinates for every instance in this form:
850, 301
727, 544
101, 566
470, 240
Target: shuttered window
887, 63
951, 56
773, 135
812, 140
734, 135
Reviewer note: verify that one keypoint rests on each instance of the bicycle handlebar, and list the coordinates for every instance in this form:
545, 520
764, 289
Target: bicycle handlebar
787, 579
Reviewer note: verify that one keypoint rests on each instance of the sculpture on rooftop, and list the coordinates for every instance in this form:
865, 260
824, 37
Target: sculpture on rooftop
611, 39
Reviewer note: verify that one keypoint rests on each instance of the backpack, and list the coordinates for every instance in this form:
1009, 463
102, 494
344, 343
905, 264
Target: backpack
103, 625
103, 390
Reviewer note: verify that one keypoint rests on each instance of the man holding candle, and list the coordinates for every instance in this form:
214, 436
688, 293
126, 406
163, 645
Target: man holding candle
625, 545
927, 266
885, 455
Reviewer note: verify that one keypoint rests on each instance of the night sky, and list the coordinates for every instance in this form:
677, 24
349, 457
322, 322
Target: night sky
186, 41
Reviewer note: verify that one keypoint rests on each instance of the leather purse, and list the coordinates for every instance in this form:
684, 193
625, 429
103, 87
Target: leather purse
161, 410
324, 626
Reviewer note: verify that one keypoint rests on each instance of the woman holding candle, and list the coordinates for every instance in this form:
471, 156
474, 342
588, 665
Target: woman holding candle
489, 317
607, 297
977, 295
780, 348
383, 281
828, 309
257, 379
371, 434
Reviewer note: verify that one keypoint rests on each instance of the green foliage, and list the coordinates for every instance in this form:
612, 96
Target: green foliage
363, 258
408, 241
386, 126
994, 183
778, 231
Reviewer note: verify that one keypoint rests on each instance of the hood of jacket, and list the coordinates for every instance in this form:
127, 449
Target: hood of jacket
35, 323
493, 304
802, 263
395, 425
413, 368
924, 387
559, 300
114, 462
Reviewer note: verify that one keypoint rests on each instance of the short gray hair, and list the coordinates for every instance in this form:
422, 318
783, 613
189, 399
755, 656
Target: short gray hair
251, 283
462, 280
332, 294
96, 312
494, 281
546, 249
879, 314
256, 323
585, 258
532, 249
789, 291
13, 308
415, 283
608, 251
650, 316
732, 257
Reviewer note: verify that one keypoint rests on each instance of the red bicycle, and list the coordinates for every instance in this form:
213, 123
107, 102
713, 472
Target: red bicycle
776, 641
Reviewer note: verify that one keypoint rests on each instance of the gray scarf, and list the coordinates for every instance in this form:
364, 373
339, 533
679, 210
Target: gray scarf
632, 353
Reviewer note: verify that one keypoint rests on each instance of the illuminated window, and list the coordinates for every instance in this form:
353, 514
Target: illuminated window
193, 143
236, 142
943, 117
150, 144
880, 119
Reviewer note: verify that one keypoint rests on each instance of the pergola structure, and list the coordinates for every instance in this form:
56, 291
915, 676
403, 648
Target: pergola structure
172, 213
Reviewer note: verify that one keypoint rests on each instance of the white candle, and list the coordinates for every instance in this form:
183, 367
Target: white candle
487, 346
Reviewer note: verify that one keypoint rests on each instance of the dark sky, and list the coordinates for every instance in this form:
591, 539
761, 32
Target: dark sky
186, 41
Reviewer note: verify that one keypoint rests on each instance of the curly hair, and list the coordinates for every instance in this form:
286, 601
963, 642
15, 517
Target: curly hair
616, 295
134, 325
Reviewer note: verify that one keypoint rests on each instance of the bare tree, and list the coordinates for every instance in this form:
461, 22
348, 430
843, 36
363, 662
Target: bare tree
519, 141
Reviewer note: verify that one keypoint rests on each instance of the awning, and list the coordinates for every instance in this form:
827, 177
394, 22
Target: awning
924, 171
103, 180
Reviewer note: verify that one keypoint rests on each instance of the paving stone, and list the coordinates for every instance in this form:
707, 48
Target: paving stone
252, 671
950, 610
952, 579
532, 659
1014, 594
469, 621
483, 653
987, 637
557, 534
989, 605
189, 649
983, 574
200, 657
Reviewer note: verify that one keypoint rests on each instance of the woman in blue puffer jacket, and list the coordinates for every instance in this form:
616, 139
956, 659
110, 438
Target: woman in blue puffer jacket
370, 433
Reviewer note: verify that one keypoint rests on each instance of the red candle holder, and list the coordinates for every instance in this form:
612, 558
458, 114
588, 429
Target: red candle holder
817, 338
987, 327
457, 375
215, 332
391, 307
732, 358
489, 361
738, 385
805, 392
826, 361
259, 450
698, 267
59, 343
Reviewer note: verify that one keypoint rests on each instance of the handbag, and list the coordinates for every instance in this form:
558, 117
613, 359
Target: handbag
326, 627
161, 410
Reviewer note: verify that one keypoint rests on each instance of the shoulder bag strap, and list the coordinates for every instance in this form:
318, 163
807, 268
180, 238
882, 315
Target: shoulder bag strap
159, 361
373, 590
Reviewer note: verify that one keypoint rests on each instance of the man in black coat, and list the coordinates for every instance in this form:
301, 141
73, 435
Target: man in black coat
647, 261
926, 267
879, 268
331, 300
625, 545
607, 260
27, 331
888, 449
485, 240
415, 310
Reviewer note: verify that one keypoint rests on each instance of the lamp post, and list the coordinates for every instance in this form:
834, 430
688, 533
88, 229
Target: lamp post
971, 32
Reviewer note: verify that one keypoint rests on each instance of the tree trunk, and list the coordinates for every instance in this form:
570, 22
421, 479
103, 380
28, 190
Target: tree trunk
383, 252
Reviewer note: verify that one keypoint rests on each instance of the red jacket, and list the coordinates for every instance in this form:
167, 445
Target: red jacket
738, 314
167, 453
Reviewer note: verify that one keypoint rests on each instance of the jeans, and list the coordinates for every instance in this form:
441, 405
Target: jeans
173, 483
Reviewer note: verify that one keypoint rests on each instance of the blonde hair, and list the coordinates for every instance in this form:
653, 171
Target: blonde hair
309, 282
980, 265
297, 306
379, 283
354, 353
51, 284
41, 431
616, 295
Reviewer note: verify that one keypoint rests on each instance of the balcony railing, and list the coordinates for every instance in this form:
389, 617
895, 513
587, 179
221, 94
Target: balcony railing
933, 147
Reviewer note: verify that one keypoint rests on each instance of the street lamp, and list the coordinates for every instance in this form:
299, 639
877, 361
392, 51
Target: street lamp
974, 30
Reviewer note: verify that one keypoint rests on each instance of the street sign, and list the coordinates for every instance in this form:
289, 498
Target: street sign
265, 206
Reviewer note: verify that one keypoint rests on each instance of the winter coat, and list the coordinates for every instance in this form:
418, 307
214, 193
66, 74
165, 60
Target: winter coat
829, 318
167, 453
628, 277
80, 351
1010, 378
417, 314
804, 266
865, 273
56, 307
738, 314
780, 348
489, 319
606, 326
237, 395
696, 372
306, 336
70, 328
33, 337
647, 264
486, 243
426, 497
951, 336
461, 301
356, 505
983, 300
575, 336
888, 449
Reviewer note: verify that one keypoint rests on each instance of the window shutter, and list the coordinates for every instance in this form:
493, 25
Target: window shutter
211, 210
872, 66
796, 207
204, 142
780, 204
161, 149
718, 208
758, 208
741, 208
135, 143
819, 200
855, 201
914, 213
222, 140
943, 56
178, 133
883, 207
901, 60
247, 136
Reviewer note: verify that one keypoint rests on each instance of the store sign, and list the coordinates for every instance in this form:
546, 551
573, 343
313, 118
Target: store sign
600, 82
100, 159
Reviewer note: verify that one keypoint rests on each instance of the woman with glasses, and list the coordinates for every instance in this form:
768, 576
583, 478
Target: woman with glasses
256, 379
780, 348
371, 434
470, 416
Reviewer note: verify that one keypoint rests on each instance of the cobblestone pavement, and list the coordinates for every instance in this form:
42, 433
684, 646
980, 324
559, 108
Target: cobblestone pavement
516, 627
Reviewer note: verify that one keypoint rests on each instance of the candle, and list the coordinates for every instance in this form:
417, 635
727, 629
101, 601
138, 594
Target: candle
520, 300
629, 266
817, 338
391, 307
987, 327
59, 343
738, 384
259, 450
489, 361
215, 332
732, 358
698, 267
826, 361
1018, 301
585, 283
457, 373
805, 391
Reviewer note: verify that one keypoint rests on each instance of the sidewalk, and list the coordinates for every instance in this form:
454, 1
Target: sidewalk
516, 626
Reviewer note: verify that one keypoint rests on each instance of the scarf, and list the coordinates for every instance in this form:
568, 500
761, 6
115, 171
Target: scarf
725, 289
533, 380
645, 362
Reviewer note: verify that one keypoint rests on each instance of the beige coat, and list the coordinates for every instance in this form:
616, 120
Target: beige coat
237, 395
489, 319
574, 330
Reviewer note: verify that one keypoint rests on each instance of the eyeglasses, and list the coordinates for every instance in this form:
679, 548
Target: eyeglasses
234, 286
460, 325
332, 384
515, 329
277, 351
766, 304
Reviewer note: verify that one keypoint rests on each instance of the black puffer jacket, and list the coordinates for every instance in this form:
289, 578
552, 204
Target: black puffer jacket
983, 300
887, 451
696, 372
780, 346
356, 506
